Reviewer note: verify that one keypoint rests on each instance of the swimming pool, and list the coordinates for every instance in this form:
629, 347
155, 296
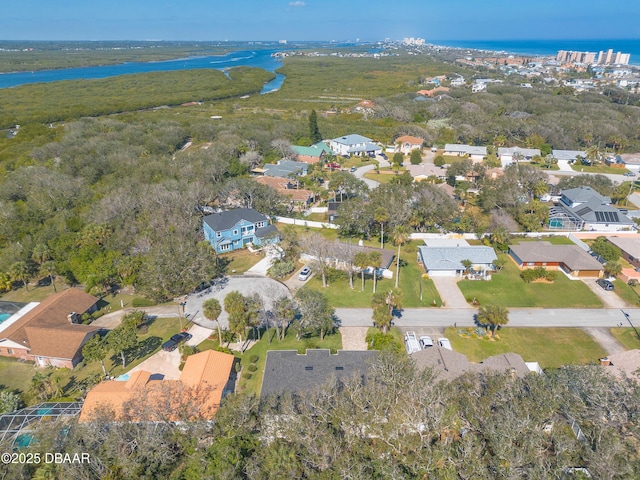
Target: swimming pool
4, 316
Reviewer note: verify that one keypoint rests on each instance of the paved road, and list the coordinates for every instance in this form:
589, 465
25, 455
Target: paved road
359, 173
518, 317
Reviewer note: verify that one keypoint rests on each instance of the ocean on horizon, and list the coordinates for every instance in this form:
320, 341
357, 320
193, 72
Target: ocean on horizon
548, 47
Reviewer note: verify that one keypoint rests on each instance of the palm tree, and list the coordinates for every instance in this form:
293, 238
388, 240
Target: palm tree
375, 258
40, 253
48, 269
361, 261
400, 237
381, 216
211, 309
493, 316
20, 273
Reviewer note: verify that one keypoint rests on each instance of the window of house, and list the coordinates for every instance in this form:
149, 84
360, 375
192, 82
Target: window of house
218, 234
9, 351
224, 247
259, 224
235, 232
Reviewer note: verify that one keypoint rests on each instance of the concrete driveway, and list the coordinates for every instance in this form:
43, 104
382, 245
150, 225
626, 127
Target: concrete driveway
268, 289
610, 299
450, 293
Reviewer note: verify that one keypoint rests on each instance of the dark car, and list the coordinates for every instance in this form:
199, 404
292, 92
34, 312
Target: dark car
606, 284
171, 344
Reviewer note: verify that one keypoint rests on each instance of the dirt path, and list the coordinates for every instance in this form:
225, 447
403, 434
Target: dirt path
353, 338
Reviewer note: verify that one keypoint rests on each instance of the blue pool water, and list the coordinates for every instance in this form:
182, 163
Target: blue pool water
4, 316
123, 378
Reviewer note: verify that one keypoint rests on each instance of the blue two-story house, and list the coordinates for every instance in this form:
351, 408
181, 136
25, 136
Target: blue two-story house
235, 229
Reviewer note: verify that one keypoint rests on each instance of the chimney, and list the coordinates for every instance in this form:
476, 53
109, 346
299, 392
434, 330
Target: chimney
605, 362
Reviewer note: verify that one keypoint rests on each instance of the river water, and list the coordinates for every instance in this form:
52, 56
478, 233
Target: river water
244, 58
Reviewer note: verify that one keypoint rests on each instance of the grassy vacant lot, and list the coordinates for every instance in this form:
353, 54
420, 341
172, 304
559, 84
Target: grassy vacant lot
599, 169
340, 295
550, 347
253, 384
627, 337
508, 289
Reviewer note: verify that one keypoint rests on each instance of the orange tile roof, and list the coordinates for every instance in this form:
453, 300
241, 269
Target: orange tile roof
409, 139
46, 330
280, 184
197, 394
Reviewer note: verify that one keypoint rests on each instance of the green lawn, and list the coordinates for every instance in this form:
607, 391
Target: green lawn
506, 288
628, 293
239, 261
15, 375
550, 347
599, 169
553, 240
379, 177
627, 337
411, 281
253, 385
74, 383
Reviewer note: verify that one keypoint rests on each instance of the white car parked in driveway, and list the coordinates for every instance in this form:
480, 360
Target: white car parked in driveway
426, 342
445, 343
304, 274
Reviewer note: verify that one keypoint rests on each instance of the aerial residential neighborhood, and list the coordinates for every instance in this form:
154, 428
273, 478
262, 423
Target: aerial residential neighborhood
387, 259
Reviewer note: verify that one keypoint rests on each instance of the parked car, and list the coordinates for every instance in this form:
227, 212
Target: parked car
445, 343
426, 342
333, 166
384, 156
605, 284
353, 169
411, 343
629, 174
304, 274
171, 344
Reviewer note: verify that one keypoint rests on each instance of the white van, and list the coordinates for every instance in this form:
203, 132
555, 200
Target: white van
411, 343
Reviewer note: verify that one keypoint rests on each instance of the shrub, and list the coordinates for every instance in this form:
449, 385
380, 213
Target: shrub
415, 158
281, 269
142, 302
380, 341
439, 161
252, 368
537, 273
247, 376
253, 358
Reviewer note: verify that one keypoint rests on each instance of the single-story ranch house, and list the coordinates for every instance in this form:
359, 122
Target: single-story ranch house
476, 154
446, 260
569, 258
630, 247
289, 371
50, 333
237, 228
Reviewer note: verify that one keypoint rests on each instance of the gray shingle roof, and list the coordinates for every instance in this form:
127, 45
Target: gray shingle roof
352, 139
450, 258
568, 154
225, 220
466, 149
572, 256
266, 231
582, 195
629, 245
288, 371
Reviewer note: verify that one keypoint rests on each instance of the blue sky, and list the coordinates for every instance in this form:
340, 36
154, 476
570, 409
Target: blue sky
318, 19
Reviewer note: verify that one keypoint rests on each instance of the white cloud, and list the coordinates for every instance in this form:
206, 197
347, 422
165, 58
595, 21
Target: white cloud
297, 4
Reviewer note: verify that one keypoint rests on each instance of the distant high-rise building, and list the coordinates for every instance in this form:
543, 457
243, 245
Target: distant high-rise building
565, 56
611, 58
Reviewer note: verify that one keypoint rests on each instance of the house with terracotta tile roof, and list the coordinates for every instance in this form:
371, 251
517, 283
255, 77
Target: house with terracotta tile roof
205, 379
407, 143
50, 333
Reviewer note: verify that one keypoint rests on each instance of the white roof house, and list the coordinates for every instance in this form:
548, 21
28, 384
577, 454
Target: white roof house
474, 153
568, 155
447, 261
508, 155
354, 144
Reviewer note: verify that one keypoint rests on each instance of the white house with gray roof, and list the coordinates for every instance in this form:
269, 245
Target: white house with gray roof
446, 261
583, 208
354, 144
477, 154
516, 154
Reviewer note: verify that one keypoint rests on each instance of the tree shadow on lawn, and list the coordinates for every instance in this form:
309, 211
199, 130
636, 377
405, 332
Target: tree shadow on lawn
141, 350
